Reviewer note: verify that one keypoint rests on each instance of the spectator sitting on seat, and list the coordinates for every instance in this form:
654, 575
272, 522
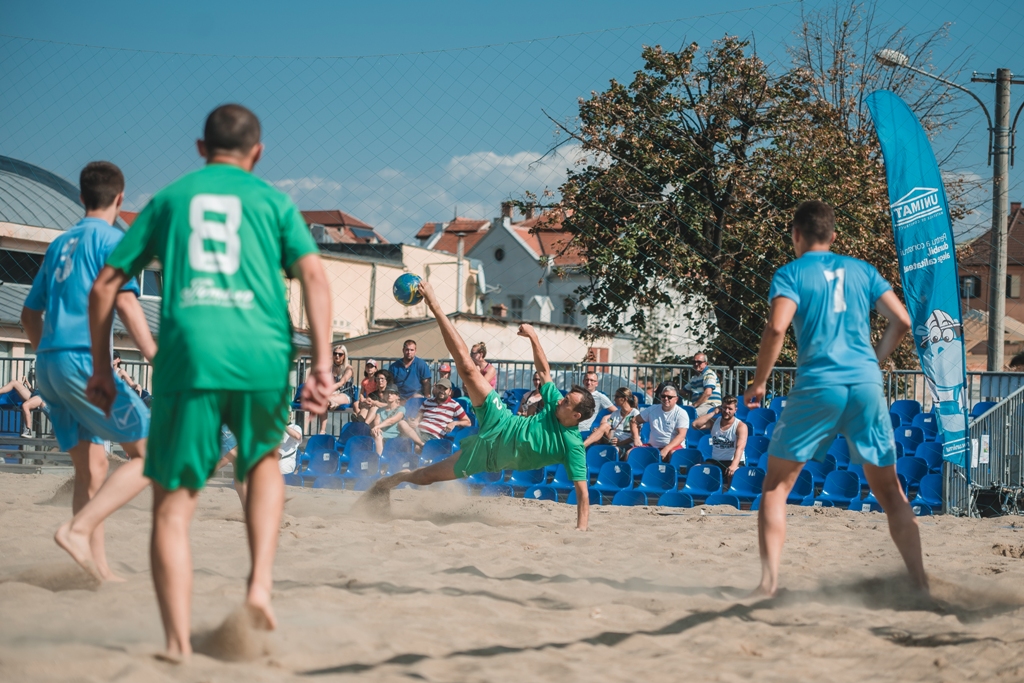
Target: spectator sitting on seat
286, 454
385, 422
411, 374
369, 384
123, 374
30, 400
438, 416
615, 428
342, 390
532, 402
1017, 363
728, 437
601, 401
705, 392
668, 423
478, 354
375, 400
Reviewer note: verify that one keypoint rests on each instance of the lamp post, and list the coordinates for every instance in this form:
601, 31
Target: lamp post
999, 157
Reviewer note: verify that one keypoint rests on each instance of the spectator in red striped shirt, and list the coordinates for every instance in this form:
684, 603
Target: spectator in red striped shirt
438, 415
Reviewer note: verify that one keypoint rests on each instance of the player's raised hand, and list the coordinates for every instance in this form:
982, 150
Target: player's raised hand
526, 330
753, 397
316, 390
427, 290
100, 390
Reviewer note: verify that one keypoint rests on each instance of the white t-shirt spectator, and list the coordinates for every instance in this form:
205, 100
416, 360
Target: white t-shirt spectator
620, 424
664, 424
601, 404
434, 418
289, 447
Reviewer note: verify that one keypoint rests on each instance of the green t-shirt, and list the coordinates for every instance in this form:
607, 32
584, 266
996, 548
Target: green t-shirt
223, 236
528, 443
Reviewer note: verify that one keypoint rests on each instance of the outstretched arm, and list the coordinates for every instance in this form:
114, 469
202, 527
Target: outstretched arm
100, 389
134, 320
317, 294
779, 318
540, 359
582, 505
891, 308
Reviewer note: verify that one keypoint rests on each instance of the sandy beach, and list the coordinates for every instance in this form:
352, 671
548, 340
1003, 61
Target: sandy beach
458, 588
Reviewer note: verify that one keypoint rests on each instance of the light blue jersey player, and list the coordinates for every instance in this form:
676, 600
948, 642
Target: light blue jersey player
828, 298
56, 320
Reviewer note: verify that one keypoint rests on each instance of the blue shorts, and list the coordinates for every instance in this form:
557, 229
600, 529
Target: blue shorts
62, 376
812, 418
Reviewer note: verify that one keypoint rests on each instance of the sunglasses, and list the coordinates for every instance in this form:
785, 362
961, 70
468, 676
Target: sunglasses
667, 398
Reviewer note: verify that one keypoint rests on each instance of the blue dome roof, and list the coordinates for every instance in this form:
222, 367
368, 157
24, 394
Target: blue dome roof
30, 195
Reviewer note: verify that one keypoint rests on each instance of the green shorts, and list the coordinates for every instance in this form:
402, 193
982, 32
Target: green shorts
477, 455
184, 436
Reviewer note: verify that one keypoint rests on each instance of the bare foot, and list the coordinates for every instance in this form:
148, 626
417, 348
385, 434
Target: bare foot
171, 657
77, 546
261, 615
763, 591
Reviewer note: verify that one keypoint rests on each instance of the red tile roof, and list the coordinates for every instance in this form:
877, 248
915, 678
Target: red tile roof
129, 216
545, 236
981, 246
474, 230
334, 219
449, 242
427, 231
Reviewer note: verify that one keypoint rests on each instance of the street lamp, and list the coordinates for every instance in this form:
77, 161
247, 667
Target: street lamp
999, 157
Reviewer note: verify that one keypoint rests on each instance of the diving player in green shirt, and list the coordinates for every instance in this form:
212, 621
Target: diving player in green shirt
225, 239
507, 441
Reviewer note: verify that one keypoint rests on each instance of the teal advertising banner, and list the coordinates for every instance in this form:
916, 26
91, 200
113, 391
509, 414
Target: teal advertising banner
927, 258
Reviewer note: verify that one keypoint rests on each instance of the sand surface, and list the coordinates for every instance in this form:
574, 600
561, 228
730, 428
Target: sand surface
454, 588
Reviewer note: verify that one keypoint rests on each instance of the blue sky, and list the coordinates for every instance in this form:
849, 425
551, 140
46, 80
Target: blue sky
377, 109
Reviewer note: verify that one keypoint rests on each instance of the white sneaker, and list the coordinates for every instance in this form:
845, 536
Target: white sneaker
26, 434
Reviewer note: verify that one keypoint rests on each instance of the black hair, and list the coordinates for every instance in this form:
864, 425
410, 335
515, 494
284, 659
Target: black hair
815, 221
585, 407
231, 128
100, 182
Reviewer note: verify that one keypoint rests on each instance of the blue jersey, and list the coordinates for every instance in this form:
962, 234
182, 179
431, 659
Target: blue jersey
62, 285
834, 296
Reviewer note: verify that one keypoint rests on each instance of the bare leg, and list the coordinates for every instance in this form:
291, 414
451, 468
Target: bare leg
407, 430
423, 476
90, 463
171, 559
771, 520
263, 510
124, 484
18, 386
902, 522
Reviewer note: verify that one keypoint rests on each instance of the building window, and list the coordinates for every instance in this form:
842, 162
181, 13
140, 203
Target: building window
515, 307
970, 287
1013, 286
499, 254
152, 283
568, 311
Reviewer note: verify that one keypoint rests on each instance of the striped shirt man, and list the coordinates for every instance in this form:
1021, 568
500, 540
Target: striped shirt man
704, 387
435, 417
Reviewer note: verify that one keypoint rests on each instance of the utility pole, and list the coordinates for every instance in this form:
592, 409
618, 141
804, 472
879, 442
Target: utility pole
458, 283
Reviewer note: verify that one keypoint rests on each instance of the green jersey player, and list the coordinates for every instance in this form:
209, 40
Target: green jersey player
224, 238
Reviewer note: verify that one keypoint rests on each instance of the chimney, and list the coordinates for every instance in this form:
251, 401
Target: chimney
506, 209
499, 311
319, 233
1014, 207
529, 212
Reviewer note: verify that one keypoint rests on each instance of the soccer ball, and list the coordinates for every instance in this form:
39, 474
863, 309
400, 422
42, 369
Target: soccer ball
407, 289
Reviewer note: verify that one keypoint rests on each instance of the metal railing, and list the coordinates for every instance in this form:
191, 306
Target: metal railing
996, 458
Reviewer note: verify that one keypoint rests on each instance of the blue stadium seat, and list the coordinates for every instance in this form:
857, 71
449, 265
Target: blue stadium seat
896, 420
756, 446
296, 399
645, 432
598, 455
862, 478
675, 499
762, 462
293, 480
629, 497
910, 438
562, 481
467, 405
982, 407
741, 408
484, 478
320, 442
777, 404
460, 433
641, 398
770, 429
401, 444
691, 412
928, 425
321, 462
358, 444
803, 487
658, 477
594, 495
685, 458
913, 469
840, 488
723, 499
524, 479
746, 483
929, 492
866, 504
614, 476
931, 453
921, 510
819, 470
327, 481
512, 397
756, 504
840, 450
704, 446
693, 437
496, 491
396, 462
702, 481
350, 430
640, 457
363, 464
541, 493
436, 450
906, 409
760, 418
